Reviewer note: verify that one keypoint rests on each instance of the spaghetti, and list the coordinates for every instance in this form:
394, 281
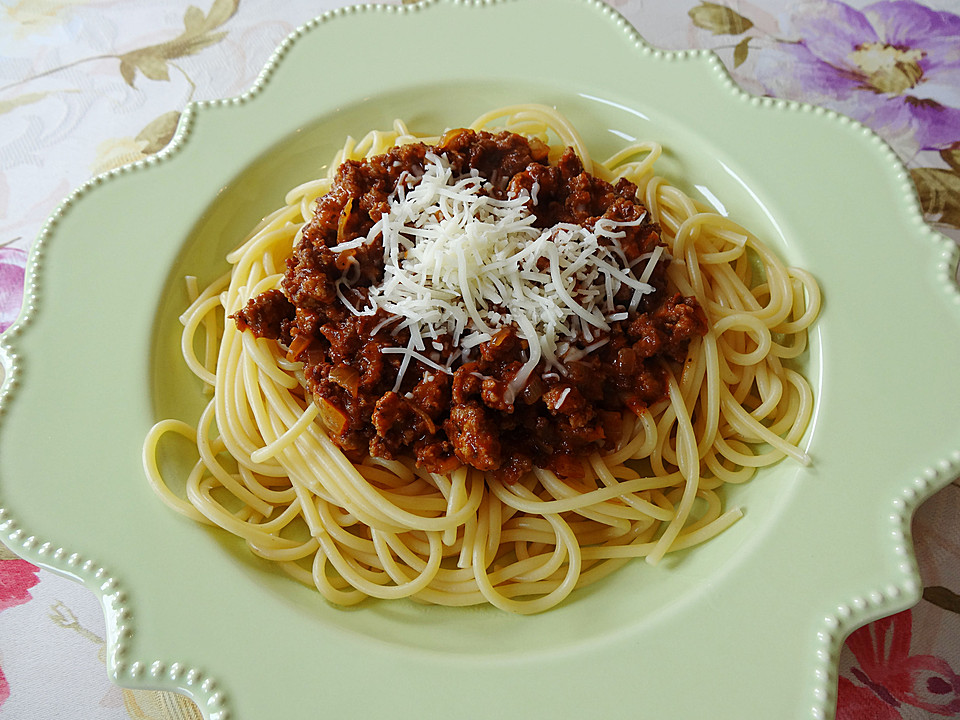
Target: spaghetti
270, 472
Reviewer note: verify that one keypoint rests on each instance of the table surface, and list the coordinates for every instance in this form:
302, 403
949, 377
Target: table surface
71, 107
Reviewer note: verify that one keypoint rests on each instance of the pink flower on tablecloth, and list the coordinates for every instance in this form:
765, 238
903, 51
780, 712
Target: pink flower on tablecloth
886, 670
895, 66
16, 579
12, 262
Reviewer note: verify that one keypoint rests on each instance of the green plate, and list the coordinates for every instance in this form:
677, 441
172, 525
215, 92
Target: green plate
747, 626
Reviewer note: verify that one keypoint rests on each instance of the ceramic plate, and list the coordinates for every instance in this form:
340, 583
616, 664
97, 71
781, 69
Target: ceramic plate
748, 625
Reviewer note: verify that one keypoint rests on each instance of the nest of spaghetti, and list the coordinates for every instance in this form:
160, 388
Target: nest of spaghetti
482, 368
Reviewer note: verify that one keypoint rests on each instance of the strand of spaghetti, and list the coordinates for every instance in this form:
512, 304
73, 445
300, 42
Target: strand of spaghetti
244, 258
675, 206
534, 529
361, 570
498, 596
713, 510
752, 326
771, 394
412, 552
542, 565
546, 536
804, 412
730, 293
292, 554
344, 598
200, 494
273, 222
387, 480
310, 504
779, 303
469, 538
685, 245
664, 454
714, 226
291, 549
364, 145
458, 493
645, 508
605, 513
455, 598
199, 311
808, 297
310, 191
152, 470
261, 353
359, 494
236, 388
650, 196
366, 565
790, 352
710, 393
397, 467
256, 408
536, 506
434, 503
338, 528
310, 453
405, 585
271, 449
329, 495
640, 445
377, 583
496, 514
781, 417
209, 319
618, 162
692, 374
228, 481
682, 542
714, 463
747, 425
236, 396
778, 284
688, 462
299, 573
742, 453
712, 256
280, 522
260, 486
739, 378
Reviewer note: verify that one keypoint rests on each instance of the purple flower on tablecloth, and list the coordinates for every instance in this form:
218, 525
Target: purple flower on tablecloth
12, 261
895, 66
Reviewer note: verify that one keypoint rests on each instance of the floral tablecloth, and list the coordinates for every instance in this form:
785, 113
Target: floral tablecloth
89, 85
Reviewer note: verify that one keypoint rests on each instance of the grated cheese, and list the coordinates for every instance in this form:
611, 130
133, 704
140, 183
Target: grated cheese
459, 262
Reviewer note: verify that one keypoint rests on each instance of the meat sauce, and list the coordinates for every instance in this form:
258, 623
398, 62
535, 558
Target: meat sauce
468, 417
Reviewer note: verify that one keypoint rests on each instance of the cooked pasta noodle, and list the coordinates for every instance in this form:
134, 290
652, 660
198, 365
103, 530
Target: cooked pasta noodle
268, 473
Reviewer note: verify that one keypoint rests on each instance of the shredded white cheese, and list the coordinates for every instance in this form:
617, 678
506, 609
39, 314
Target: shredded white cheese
459, 262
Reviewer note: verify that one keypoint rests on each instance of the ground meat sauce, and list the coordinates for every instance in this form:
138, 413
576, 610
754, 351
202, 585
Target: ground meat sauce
444, 420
